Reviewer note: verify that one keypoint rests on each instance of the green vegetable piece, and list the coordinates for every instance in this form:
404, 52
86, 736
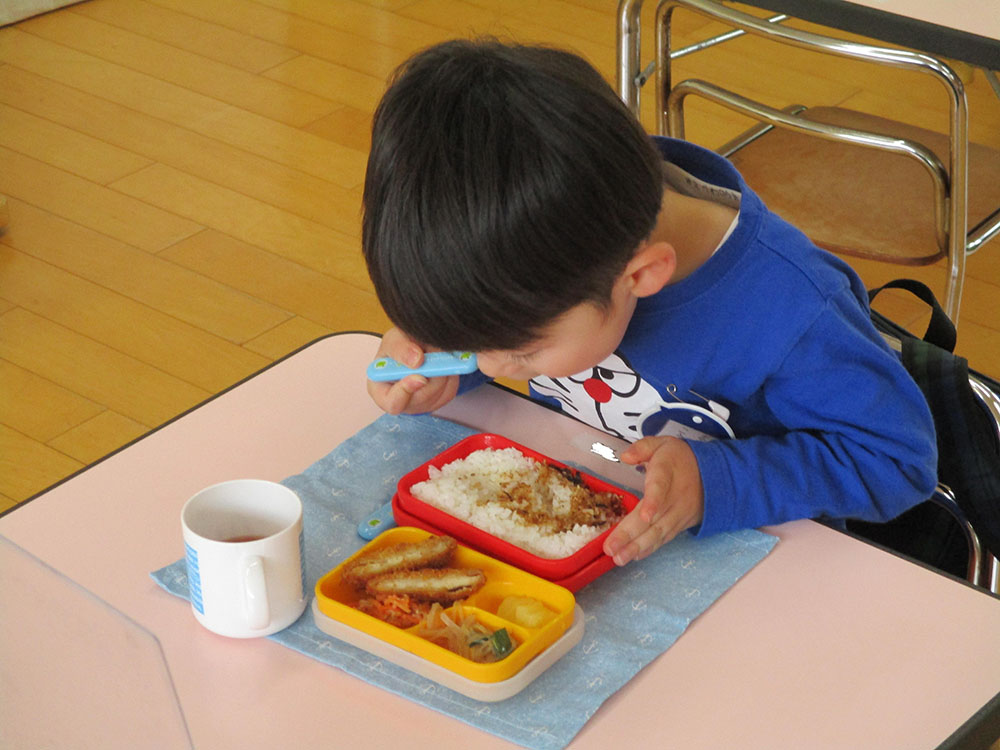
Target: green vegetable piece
501, 643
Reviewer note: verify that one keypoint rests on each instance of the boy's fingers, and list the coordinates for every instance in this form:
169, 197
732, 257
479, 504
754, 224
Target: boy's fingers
655, 496
642, 450
647, 539
400, 394
410, 355
398, 346
637, 548
621, 542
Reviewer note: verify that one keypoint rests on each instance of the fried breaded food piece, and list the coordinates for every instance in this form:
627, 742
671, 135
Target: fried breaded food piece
432, 552
442, 585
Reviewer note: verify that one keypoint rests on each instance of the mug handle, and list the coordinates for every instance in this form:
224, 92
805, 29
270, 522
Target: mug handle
255, 593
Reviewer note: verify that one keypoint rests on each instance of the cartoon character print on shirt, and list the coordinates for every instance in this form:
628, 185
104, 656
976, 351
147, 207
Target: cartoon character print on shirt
613, 397
610, 396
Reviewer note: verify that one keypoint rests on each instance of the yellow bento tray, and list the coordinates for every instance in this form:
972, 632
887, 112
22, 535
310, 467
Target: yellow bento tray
335, 607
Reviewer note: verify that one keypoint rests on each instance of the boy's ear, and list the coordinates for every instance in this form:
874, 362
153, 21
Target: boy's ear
651, 268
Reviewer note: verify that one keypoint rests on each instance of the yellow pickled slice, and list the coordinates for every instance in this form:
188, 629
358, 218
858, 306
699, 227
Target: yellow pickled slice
525, 611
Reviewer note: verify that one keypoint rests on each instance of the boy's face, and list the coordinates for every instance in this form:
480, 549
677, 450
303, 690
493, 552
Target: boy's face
576, 341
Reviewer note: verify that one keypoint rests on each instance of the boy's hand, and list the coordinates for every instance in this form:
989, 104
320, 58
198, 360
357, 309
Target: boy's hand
414, 394
672, 501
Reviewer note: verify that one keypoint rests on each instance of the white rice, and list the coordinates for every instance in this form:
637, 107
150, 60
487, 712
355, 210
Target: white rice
495, 489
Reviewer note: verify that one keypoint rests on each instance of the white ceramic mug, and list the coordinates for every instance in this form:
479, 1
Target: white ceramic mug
243, 547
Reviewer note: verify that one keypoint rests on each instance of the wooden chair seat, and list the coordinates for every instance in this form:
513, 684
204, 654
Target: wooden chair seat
860, 201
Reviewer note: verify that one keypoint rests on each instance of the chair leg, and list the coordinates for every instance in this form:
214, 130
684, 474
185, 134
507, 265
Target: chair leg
945, 498
994, 82
992, 573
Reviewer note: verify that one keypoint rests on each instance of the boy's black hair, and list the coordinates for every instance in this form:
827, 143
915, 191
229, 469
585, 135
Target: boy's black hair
506, 184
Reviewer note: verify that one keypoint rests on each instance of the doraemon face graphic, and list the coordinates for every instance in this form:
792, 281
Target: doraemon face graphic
610, 396
614, 398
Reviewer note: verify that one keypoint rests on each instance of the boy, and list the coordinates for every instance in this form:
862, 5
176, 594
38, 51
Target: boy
514, 207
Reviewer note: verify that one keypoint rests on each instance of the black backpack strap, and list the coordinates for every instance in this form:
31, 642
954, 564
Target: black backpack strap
940, 331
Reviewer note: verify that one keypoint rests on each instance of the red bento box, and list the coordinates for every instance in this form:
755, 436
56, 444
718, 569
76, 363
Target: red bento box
573, 572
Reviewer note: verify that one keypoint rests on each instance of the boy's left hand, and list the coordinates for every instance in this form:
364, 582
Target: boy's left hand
672, 501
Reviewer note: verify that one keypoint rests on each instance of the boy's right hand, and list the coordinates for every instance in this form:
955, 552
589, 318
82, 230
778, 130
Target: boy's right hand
414, 394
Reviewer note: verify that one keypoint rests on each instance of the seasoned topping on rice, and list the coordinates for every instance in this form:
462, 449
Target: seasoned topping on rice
544, 509
558, 501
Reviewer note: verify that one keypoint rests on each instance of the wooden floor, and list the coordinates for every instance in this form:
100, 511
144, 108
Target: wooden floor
183, 182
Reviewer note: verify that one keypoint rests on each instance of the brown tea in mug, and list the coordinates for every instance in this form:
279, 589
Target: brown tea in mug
245, 538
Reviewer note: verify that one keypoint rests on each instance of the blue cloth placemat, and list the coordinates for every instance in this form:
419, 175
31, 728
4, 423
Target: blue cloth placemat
632, 614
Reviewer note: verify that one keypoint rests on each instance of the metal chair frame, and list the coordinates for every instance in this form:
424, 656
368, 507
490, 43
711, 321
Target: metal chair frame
983, 567
950, 185
977, 567
989, 564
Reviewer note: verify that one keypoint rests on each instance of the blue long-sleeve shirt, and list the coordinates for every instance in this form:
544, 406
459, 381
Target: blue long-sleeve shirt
826, 421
